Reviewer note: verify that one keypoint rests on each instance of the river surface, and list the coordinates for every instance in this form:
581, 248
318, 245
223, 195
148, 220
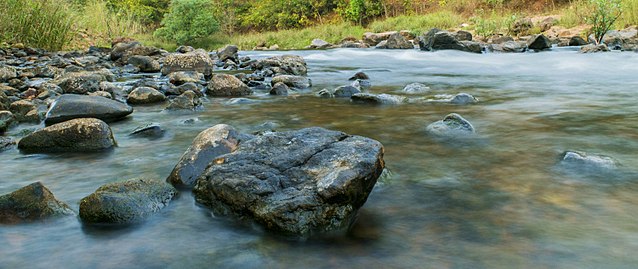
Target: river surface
498, 201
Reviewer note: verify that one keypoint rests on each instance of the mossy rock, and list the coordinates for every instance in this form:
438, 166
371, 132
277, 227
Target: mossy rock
31, 203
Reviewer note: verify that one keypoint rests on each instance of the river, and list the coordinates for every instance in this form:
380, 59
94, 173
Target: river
498, 201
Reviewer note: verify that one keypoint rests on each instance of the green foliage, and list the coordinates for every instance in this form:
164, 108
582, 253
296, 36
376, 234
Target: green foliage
418, 23
37, 23
604, 15
629, 14
493, 23
361, 11
187, 21
102, 25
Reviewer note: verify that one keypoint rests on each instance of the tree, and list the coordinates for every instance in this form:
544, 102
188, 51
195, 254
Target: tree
188, 20
603, 16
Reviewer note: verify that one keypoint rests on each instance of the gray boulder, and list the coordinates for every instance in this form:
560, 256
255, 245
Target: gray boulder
145, 95
187, 100
509, 46
73, 106
593, 48
206, 147
6, 119
379, 99
7, 73
395, 41
33, 202
282, 65
182, 77
84, 81
437, 39
453, 125
297, 82
372, 39
280, 89
539, 42
228, 52
345, 91
146, 64
577, 41
319, 44
126, 202
151, 130
77, 135
297, 183
463, 35
362, 84
26, 111
227, 85
197, 60
123, 50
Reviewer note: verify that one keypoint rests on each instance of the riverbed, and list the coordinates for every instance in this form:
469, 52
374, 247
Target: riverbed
496, 201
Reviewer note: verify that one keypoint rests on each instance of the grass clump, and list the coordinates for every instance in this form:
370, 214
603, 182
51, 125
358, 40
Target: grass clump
418, 23
44, 24
100, 25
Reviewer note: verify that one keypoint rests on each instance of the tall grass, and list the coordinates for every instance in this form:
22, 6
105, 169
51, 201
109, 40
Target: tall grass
103, 25
629, 15
418, 23
38, 23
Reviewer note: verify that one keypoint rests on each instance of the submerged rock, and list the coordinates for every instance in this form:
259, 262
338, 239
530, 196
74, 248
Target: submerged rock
453, 125
299, 183
416, 88
206, 147
345, 91
151, 130
73, 106
380, 99
126, 202
298, 82
77, 135
31, 203
588, 163
227, 85
145, 95
463, 99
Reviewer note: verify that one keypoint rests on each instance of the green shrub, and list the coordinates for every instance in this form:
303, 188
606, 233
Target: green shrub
603, 16
187, 21
38, 23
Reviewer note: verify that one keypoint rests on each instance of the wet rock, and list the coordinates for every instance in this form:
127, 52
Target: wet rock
101, 94
325, 93
126, 202
146, 64
291, 81
179, 78
240, 101
510, 46
298, 183
227, 85
7, 73
31, 203
25, 111
593, 48
416, 88
197, 61
6, 143
379, 99
184, 49
319, 44
463, 35
145, 95
463, 99
626, 39
437, 39
345, 91
121, 48
6, 119
539, 42
395, 41
359, 75
84, 81
151, 130
588, 163
362, 84
372, 39
77, 135
279, 89
206, 147
282, 65
228, 52
73, 106
577, 41
187, 100
453, 125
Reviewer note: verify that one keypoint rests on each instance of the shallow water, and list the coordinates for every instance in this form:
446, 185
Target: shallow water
497, 201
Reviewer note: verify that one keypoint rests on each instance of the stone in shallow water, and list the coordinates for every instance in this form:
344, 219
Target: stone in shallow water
126, 202
415, 88
379, 99
73, 106
588, 162
31, 203
151, 130
77, 135
453, 125
299, 183
463, 99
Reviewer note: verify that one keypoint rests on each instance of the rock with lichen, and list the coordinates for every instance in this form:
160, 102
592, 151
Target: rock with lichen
31, 203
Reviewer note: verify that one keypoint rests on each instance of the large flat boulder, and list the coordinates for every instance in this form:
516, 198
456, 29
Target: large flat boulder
126, 202
77, 135
282, 65
197, 60
227, 85
298, 183
33, 202
73, 106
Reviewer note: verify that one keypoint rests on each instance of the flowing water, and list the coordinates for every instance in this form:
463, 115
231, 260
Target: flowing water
499, 201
